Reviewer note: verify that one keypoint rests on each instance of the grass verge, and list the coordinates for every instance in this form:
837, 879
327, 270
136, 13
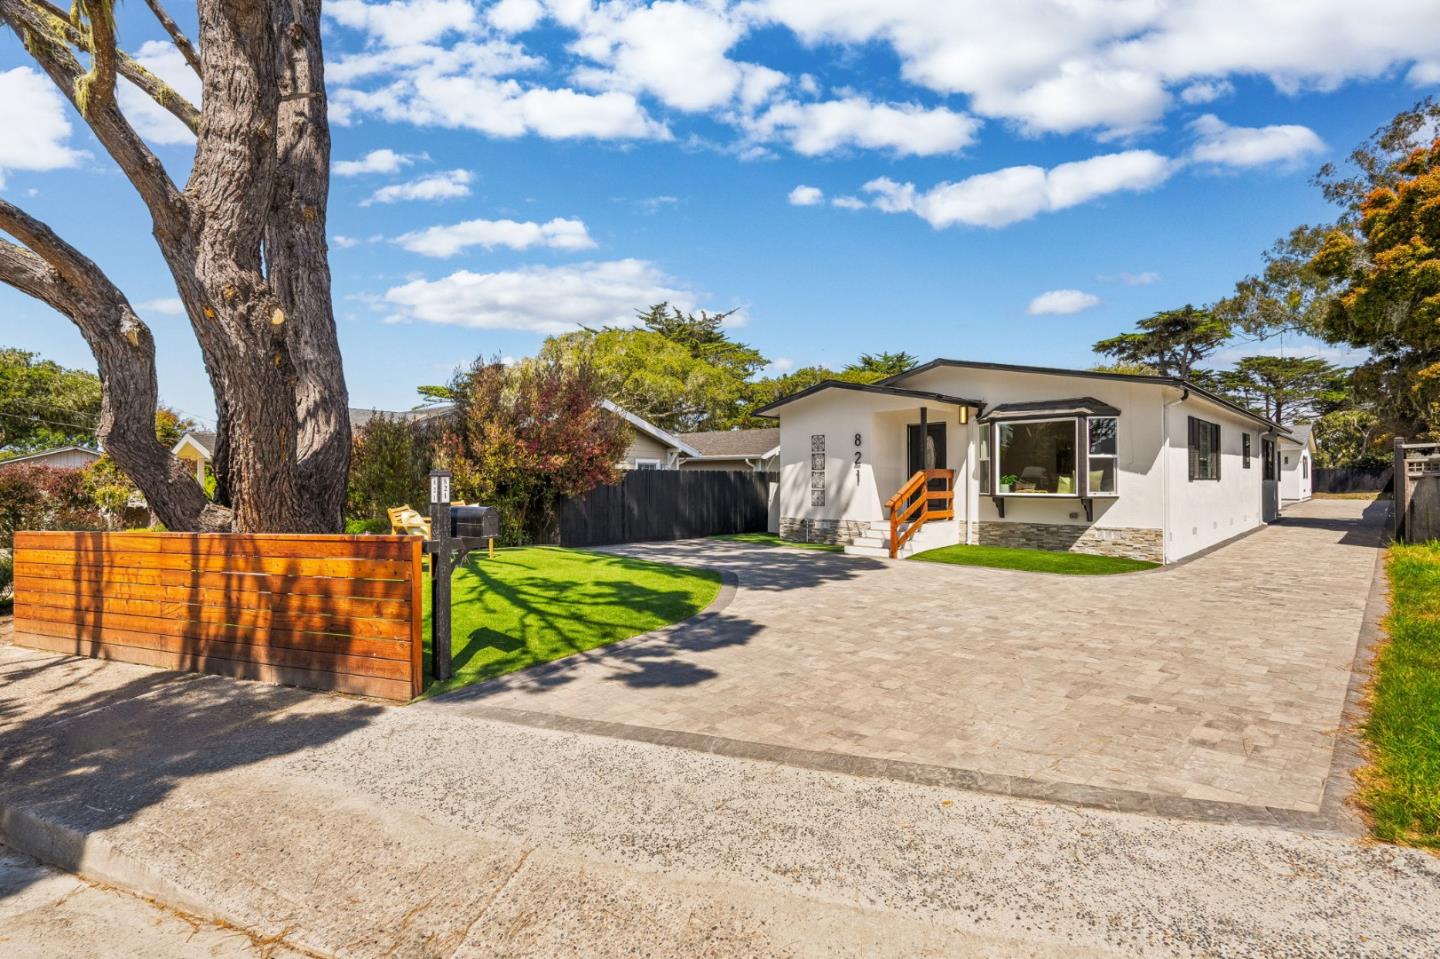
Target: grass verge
1401, 786
770, 539
1033, 560
534, 605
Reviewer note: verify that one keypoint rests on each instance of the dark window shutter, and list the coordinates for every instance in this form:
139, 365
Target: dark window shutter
1194, 450
1215, 451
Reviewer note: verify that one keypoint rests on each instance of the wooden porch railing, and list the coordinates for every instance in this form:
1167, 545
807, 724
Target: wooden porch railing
912, 505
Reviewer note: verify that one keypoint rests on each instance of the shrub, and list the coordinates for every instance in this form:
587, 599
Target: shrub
44, 497
357, 527
388, 467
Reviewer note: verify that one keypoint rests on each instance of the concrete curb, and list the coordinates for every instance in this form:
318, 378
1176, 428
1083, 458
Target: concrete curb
92, 856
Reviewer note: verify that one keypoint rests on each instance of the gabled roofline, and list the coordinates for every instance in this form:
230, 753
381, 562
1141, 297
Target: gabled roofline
49, 452
866, 388
650, 429
1172, 381
190, 438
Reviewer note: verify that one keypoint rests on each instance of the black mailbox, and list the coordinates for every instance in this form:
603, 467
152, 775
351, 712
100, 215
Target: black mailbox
475, 521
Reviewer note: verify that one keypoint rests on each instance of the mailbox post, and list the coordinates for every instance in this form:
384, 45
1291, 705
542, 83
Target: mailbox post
441, 560
454, 531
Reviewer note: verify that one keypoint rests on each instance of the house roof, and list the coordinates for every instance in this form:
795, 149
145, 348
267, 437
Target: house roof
50, 452
880, 388
734, 443
205, 441
1078, 406
359, 417
1173, 381
665, 437
1300, 434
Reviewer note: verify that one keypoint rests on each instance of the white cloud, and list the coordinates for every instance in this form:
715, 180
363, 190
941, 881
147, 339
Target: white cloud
1219, 143
848, 203
436, 186
344, 242
1076, 65
1139, 279
37, 129
807, 196
447, 241
1061, 303
673, 51
376, 161
906, 129
486, 58
1018, 193
403, 22
1206, 91
515, 16
502, 108
779, 366
165, 305
539, 299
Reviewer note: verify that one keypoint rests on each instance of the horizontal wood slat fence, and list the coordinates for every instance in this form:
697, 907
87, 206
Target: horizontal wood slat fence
327, 612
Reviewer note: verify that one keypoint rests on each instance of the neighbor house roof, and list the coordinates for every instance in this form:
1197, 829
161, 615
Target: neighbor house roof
47, 454
725, 444
1300, 434
880, 388
1174, 381
1079, 406
201, 440
665, 437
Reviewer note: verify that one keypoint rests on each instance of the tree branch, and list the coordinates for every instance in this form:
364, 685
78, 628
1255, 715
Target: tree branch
177, 36
46, 40
179, 107
65, 279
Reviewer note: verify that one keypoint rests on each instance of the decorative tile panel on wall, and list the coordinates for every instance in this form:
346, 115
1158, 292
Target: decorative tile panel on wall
817, 469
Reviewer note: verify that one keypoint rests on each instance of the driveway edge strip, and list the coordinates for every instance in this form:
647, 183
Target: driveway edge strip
1017, 787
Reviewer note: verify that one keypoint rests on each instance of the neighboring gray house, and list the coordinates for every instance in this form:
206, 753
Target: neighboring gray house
1297, 458
62, 457
754, 450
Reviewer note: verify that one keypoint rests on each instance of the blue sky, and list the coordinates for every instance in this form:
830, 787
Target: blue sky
1013, 181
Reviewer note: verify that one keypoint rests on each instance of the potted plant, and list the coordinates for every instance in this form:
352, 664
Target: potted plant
1008, 481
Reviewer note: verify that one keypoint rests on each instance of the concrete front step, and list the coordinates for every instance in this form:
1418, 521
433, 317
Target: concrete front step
876, 541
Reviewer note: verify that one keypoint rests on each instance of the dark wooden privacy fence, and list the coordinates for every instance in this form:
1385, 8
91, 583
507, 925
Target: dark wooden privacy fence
1347, 480
667, 504
326, 612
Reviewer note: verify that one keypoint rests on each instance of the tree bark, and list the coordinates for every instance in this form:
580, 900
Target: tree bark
244, 242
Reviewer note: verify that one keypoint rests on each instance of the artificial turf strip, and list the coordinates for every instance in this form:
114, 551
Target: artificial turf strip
1033, 560
770, 539
534, 605
1401, 786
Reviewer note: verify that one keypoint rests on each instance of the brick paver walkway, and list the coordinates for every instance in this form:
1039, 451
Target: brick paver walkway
1222, 679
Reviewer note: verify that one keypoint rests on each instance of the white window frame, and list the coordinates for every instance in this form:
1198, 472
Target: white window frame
1090, 459
647, 463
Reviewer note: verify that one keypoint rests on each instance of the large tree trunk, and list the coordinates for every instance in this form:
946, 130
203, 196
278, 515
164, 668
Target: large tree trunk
245, 243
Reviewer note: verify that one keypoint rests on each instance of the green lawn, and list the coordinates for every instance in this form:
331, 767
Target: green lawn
770, 539
1401, 786
1033, 560
529, 606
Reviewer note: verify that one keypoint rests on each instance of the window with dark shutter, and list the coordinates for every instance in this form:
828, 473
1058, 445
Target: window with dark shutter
1245, 450
1204, 450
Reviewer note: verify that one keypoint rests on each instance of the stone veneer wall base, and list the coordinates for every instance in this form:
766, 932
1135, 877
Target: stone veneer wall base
835, 532
1146, 544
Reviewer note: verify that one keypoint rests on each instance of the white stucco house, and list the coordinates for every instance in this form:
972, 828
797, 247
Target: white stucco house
1150, 467
1297, 459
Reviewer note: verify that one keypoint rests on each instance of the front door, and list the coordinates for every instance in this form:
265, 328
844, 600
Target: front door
1270, 481
915, 454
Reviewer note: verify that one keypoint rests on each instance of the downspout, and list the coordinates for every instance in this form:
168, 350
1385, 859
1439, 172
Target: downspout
1165, 474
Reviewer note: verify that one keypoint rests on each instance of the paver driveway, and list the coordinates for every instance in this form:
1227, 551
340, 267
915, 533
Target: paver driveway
1218, 681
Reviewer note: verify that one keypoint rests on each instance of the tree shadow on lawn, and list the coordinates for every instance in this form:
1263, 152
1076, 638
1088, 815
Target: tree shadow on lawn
90, 754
